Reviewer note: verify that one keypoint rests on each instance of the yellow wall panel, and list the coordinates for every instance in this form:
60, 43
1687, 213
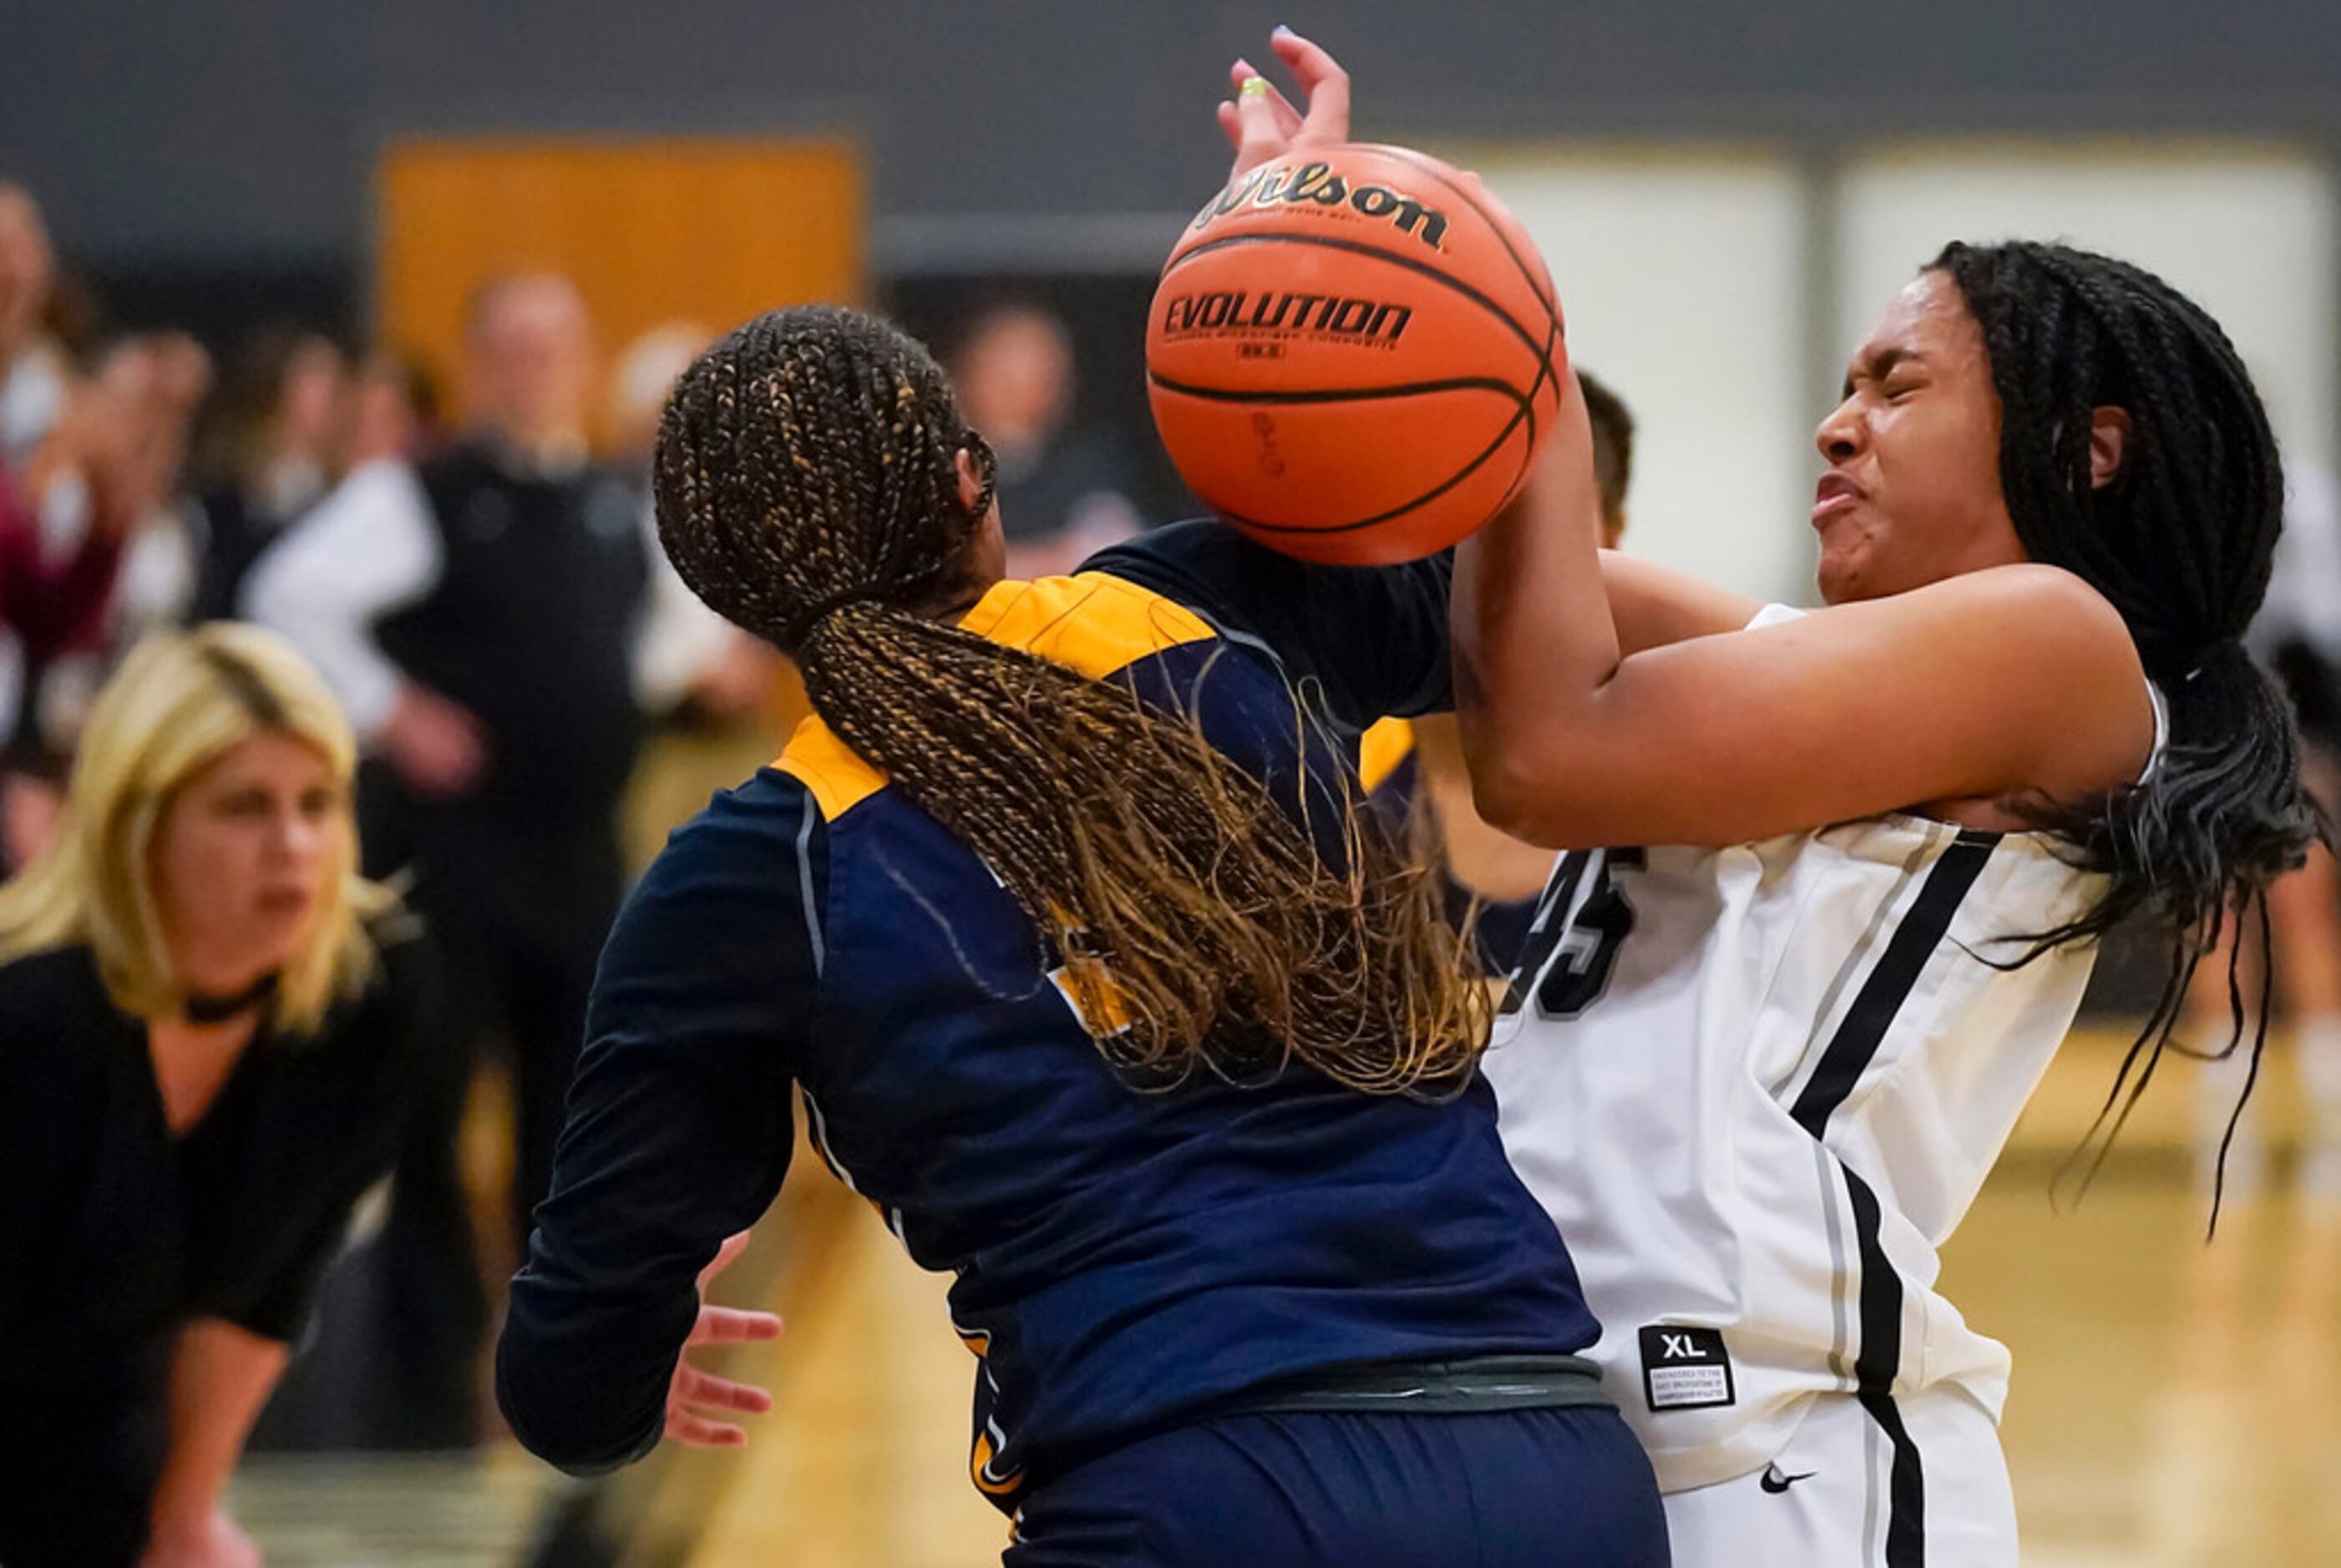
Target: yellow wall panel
707, 230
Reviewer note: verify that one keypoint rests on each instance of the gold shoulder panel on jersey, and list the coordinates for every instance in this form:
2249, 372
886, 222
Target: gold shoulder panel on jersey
1095, 624
837, 777
1383, 750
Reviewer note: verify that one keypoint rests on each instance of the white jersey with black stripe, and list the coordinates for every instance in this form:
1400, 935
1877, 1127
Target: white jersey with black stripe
1757, 1087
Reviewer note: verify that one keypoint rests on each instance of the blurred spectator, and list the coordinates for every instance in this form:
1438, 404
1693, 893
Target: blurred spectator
1064, 487
213, 1028
163, 552
266, 457
75, 516
476, 619
32, 369
719, 698
691, 666
390, 413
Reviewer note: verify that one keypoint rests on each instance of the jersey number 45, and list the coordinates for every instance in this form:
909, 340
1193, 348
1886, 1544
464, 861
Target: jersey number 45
1572, 944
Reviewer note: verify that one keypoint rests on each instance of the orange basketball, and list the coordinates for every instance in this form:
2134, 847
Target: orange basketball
1354, 355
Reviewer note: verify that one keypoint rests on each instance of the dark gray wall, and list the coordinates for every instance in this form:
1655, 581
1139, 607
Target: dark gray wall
172, 131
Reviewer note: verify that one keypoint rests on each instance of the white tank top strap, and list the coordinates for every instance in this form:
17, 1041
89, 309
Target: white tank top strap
2161, 733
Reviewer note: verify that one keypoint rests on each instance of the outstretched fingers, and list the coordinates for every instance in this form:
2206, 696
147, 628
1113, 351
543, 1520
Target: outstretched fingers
1287, 119
696, 1431
1261, 122
734, 1326
704, 1391
1325, 83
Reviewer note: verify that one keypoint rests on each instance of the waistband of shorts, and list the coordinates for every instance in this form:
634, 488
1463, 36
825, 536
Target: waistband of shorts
1468, 1387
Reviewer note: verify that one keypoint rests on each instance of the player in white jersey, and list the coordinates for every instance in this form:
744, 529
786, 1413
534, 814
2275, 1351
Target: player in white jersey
1758, 1076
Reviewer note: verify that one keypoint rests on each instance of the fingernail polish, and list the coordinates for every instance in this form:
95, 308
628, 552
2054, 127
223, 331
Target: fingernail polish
1254, 88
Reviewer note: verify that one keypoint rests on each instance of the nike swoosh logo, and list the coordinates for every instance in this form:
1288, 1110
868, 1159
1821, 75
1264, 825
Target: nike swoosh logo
1774, 1481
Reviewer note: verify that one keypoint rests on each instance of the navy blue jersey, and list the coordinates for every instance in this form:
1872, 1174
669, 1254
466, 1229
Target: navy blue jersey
1121, 1259
1389, 766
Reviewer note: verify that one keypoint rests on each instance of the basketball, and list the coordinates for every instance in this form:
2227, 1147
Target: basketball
1354, 354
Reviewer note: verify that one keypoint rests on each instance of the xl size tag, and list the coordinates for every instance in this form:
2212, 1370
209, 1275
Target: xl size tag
1685, 1368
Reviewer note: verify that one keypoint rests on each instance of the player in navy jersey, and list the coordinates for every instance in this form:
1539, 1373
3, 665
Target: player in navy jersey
1059, 918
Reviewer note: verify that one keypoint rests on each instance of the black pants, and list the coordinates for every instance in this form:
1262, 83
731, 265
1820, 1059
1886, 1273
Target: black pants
521, 913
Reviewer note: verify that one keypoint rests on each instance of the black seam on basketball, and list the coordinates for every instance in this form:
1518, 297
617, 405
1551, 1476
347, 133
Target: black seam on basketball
1350, 395
1520, 411
1528, 409
1551, 302
1527, 340
1523, 408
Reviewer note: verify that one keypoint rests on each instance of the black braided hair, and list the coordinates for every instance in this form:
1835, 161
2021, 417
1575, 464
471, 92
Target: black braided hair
2180, 543
1613, 446
808, 491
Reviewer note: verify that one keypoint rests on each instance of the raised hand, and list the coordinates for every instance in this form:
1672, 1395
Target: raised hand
435, 742
693, 1395
1262, 123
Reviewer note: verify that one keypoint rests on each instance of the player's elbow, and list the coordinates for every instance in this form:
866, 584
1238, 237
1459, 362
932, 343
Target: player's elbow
1529, 796
562, 1410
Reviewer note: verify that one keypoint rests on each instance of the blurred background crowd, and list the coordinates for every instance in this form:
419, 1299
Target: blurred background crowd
359, 329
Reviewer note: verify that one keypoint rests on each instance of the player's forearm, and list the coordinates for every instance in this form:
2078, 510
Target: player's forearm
603, 1305
1534, 638
220, 1378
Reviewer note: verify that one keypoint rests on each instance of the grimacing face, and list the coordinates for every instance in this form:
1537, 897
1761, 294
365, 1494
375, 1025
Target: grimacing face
1912, 492
239, 861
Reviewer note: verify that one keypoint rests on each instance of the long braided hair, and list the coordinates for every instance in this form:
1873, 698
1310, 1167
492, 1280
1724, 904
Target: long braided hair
2179, 541
809, 490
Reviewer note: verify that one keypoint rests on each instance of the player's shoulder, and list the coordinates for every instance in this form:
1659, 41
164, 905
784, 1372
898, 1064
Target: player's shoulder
2044, 642
1200, 563
2020, 612
54, 1007
743, 874
2047, 612
760, 822
50, 986
729, 910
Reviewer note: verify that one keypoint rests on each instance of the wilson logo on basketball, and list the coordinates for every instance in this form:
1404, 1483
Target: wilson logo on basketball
1318, 184
1381, 321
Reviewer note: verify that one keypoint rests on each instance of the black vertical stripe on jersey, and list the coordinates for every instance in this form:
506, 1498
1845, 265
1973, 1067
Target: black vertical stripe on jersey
1874, 1369
1888, 985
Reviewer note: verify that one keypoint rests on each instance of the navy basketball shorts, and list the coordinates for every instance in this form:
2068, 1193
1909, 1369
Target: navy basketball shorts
1547, 1488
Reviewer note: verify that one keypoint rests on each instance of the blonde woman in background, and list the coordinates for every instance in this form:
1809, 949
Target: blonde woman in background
210, 1029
